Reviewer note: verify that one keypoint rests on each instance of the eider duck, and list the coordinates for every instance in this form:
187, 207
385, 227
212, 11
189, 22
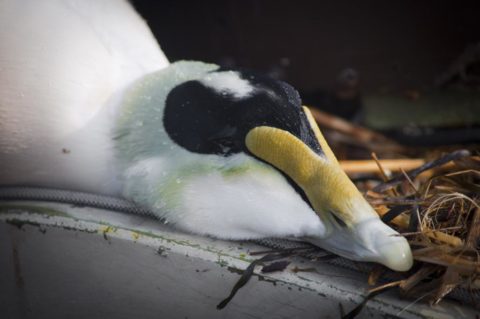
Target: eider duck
89, 102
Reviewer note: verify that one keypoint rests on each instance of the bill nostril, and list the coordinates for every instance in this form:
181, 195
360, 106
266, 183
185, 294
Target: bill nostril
339, 221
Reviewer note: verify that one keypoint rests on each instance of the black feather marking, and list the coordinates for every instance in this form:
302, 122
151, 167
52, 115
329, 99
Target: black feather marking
202, 120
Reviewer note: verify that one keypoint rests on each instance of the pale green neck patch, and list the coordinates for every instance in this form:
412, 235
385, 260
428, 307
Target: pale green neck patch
139, 131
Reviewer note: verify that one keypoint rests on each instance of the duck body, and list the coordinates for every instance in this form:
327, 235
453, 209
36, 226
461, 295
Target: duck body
83, 107
64, 68
89, 102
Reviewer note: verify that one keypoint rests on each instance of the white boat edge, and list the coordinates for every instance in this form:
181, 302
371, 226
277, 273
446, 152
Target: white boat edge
57, 260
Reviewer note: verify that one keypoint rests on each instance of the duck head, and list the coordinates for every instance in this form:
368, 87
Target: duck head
221, 114
353, 228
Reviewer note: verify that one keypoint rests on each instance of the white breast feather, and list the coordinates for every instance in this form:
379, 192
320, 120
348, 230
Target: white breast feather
63, 67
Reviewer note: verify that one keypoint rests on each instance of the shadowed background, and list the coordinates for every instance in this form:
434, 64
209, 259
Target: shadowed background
393, 44
397, 50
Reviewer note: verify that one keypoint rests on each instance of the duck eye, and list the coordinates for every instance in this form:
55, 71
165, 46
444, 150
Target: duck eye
339, 222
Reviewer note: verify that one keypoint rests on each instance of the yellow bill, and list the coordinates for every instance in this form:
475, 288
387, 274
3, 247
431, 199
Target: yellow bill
354, 230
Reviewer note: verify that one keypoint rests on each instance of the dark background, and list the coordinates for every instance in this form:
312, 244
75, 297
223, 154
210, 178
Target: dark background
394, 45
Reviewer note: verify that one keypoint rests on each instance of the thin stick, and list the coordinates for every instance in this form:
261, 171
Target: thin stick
380, 167
414, 302
414, 173
420, 222
370, 166
390, 284
429, 231
391, 192
409, 181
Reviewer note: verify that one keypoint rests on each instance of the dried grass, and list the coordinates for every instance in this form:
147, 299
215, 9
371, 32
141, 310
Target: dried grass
439, 215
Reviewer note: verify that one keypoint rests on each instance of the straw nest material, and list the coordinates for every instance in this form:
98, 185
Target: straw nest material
437, 208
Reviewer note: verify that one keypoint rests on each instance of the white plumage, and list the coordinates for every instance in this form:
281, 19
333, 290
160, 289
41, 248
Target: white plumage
228, 82
83, 89
234, 197
74, 69
64, 66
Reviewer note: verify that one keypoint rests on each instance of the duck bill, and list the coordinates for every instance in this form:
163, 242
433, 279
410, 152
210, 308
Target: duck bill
354, 230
